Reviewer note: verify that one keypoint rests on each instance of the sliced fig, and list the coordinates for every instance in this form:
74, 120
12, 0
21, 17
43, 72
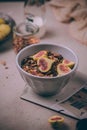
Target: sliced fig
63, 69
56, 118
68, 63
39, 54
44, 64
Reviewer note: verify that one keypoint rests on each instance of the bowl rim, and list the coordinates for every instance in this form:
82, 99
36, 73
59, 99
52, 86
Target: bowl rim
41, 44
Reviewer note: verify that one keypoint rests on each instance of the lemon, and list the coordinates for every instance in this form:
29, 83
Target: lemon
4, 30
2, 21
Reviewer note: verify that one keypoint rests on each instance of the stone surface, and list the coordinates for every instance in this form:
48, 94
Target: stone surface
17, 114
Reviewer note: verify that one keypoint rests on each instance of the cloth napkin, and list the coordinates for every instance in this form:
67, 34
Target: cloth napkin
73, 12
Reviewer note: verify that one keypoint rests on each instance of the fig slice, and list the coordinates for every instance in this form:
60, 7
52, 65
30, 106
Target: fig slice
44, 64
56, 118
63, 69
68, 63
39, 54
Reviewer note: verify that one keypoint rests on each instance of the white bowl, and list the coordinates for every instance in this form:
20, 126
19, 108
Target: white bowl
46, 85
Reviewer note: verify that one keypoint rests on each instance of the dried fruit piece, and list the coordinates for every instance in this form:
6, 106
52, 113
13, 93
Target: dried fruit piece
63, 69
56, 120
20, 42
39, 54
33, 40
44, 64
68, 63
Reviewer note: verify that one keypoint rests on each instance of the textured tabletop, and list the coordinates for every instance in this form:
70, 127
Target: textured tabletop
15, 113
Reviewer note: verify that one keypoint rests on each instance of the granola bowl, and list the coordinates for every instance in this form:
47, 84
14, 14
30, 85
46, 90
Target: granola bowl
47, 83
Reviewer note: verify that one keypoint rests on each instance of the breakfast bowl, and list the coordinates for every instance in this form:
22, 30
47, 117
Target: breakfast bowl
46, 82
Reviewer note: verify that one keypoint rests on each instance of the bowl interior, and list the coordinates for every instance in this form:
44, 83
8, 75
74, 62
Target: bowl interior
67, 53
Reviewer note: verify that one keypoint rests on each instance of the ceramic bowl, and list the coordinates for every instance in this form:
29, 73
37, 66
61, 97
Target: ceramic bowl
46, 85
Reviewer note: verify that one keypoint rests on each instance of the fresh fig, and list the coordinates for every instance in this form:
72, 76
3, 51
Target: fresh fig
63, 69
68, 63
56, 119
44, 64
39, 54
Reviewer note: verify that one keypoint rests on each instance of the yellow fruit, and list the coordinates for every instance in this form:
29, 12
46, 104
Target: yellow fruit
4, 30
2, 21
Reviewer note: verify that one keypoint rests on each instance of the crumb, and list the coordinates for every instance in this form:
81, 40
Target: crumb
6, 67
56, 100
6, 77
3, 63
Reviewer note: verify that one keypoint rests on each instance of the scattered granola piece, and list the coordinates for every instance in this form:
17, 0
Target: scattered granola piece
3, 63
6, 67
6, 77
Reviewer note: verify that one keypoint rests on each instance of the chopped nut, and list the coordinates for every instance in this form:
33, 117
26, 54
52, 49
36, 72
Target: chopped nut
20, 42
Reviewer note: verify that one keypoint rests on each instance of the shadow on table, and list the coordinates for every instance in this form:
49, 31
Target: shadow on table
61, 127
7, 44
49, 34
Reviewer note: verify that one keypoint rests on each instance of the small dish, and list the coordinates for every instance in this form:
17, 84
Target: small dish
8, 21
